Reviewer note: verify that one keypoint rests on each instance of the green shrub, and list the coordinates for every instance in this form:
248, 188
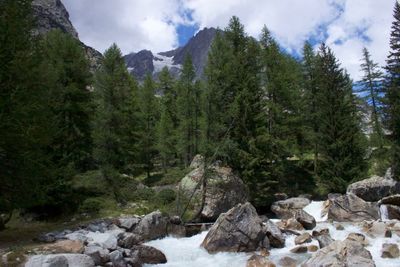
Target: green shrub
143, 193
91, 206
166, 196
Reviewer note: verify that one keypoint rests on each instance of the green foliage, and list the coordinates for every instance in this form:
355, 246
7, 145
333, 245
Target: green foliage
91, 206
393, 92
166, 196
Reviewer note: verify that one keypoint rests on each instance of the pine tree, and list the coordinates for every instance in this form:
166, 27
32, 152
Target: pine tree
26, 123
113, 90
393, 91
187, 110
168, 123
149, 115
71, 100
340, 137
371, 92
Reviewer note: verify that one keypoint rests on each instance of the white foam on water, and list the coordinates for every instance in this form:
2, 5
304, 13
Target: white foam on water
315, 209
384, 212
186, 252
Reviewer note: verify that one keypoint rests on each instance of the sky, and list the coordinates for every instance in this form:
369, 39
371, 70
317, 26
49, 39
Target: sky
161, 25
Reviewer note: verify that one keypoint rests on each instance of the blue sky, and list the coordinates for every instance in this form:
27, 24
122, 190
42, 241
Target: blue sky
161, 25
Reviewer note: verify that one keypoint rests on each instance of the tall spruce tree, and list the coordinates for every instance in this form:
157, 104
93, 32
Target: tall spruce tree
371, 91
340, 136
70, 100
112, 88
26, 123
149, 115
393, 91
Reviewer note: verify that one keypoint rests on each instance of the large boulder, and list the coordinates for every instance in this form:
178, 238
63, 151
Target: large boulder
390, 250
350, 208
274, 234
306, 220
374, 188
104, 240
286, 209
149, 255
341, 253
259, 261
64, 246
224, 189
238, 230
152, 226
99, 255
60, 260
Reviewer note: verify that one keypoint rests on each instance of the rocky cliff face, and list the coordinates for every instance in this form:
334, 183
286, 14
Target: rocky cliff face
52, 14
144, 62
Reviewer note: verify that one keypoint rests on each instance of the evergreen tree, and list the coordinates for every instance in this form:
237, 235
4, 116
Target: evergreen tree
187, 108
26, 123
340, 137
371, 92
71, 100
111, 132
393, 91
168, 123
149, 115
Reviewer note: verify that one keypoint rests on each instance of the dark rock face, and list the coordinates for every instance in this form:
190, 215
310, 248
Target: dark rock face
52, 14
140, 64
350, 208
238, 230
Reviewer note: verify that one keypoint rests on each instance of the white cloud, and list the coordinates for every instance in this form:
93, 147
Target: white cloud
151, 24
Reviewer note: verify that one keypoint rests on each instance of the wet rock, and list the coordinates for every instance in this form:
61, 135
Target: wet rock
238, 230
99, 255
393, 212
390, 251
65, 246
339, 227
127, 240
285, 209
306, 220
259, 261
128, 223
303, 238
374, 188
388, 233
357, 237
274, 234
176, 230
149, 255
312, 248
341, 253
117, 259
350, 208
299, 249
290, 224
224, 190
60, 260
287, 262
374, 229
152, 226
323, 237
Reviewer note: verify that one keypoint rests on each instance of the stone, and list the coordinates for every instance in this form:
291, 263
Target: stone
299, 249
197, 162
374, 229
303, 238
308, 196
392, 211
99, 255
341, 253
388, 233
374, 188
286, 209
78, 235
290, 224
357, 237
152, 226
312, 248
60, 260
176, 230
105, 240
128, 240
259, 261
149, 255
117, 259
323, 237
65, 246
287, 262
274, 234
350, 208
238, 230
281, 196
306, 220
128, 223
224, 190
390, 251
390, 200
339, 227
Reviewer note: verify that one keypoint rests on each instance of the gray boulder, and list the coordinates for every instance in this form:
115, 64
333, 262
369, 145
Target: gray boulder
117, 259
238, 230
374, 188
224, 190
286, 209
305, 219
390, 250
127, 240
99, 255
60, 260
350, 208
152, 226
341, 253
274, 234
104, 240
149, 255
323, 237
128, 223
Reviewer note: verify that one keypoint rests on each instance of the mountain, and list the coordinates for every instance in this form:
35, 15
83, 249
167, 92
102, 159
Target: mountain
143, 62
52, 14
